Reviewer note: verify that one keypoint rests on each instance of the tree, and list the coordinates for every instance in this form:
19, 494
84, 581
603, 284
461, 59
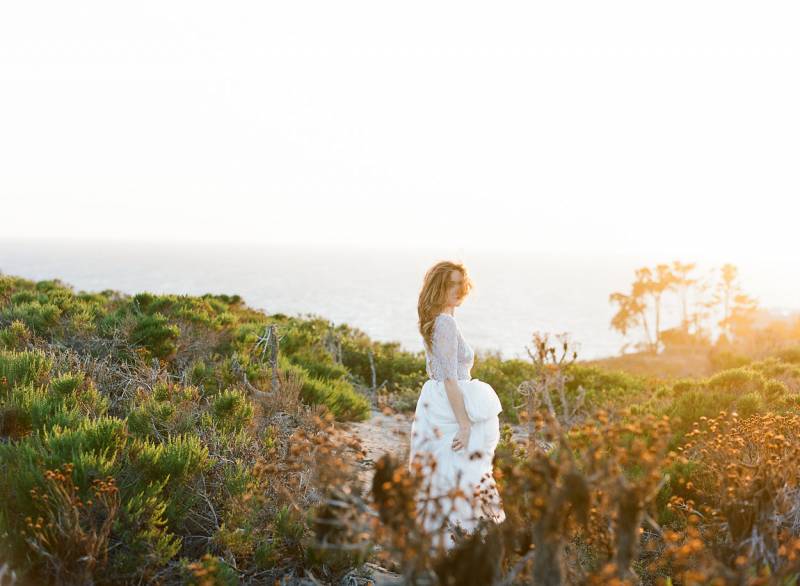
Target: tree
738, 309
742, 316
700, 306
633, 307
682, 284
663, 281
647, 293
723, 293
631, 313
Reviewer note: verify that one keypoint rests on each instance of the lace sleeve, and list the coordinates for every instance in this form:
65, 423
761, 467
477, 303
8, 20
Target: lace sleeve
445, 346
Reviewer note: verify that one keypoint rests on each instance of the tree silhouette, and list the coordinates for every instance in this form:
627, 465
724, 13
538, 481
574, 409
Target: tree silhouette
646, 291
738, 309
742, 316
682, 284
647, 294
631, 313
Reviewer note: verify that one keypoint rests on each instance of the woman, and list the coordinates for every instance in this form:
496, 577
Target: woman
456, 420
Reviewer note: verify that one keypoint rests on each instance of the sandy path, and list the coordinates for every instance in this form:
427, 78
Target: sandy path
379, 434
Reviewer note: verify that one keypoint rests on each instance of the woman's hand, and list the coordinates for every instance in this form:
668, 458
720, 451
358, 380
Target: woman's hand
461, 439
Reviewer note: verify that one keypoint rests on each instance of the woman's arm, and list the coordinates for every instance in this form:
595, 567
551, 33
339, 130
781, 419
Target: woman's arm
445, 348
456, 399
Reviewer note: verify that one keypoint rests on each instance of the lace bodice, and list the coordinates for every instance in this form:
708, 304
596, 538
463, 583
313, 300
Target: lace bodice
452, 357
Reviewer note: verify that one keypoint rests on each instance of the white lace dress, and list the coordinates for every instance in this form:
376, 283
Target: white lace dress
434, 427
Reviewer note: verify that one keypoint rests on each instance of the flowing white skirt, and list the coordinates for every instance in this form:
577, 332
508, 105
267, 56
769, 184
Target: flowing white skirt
470, 469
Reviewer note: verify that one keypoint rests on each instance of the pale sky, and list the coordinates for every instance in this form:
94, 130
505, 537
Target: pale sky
603, 126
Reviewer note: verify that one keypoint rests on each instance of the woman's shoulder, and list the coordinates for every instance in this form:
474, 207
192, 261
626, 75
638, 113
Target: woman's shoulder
445, 317
446, 322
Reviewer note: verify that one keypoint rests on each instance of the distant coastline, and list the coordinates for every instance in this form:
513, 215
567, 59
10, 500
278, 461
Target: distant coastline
373, 292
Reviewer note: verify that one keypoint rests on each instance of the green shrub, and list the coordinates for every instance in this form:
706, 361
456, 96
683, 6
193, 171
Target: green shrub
178, 458
68, 532
237, 476
51, 286
24, 296
290, 526
229, 372
207, 311
683, 385
789, 402
749, 404
79, 393
145, 543
23, 368
177, 462
319, 364
774, 390
725, 360
743, 390
16, 336
775, 368
338, 395
694, 404
605, 388
168, 410
297, 334
790, 355
232, 410
91, 449
156, 335
39, 317
67, 383
393, 365
82, 319
739, 380
93, 446
28, 408
504, 376
202, 375
95, 449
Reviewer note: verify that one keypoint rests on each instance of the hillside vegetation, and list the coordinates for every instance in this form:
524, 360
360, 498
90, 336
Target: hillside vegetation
190, 439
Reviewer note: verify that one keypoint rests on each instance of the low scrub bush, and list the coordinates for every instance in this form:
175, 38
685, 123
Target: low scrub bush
169, 409
20, 368
231, 410
16, 336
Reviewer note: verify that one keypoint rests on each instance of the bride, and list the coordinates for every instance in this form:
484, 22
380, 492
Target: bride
456, 425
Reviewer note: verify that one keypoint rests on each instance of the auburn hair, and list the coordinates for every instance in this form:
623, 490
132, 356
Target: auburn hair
433, 295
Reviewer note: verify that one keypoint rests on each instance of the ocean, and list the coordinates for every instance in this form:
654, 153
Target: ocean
515, 293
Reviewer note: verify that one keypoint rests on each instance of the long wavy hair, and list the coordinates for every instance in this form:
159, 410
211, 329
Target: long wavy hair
433, 295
